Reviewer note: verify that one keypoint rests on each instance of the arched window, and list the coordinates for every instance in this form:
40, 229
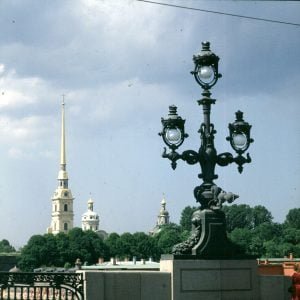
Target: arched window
66, 207
65, 226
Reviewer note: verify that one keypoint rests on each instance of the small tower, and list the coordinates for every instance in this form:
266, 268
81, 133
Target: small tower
162, 219
90, 219
62, 200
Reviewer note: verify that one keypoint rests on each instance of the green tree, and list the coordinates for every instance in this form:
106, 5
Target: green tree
238, 216
261, 215
241, 237
125, 245
186, 218
144, 246
57, 250
34, 254
271, 249
63, 245
293, 218
169, 235
49, 251
111, 243
5, 247
85, 245
291, 235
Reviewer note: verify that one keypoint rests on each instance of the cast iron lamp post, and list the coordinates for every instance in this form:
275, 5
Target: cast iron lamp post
208, 237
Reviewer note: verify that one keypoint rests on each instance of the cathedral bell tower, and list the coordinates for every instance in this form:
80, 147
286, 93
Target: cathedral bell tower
163, 218
62, 200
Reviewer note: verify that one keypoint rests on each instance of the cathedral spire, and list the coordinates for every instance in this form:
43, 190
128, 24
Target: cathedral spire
63, 143
62, 201
62, 174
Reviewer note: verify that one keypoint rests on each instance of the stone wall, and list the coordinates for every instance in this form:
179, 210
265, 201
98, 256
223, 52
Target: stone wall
126, 285
275, 287
156, 285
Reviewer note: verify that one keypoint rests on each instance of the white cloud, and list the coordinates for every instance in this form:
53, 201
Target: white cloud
16, 91
118, 101
24, 129
2, 68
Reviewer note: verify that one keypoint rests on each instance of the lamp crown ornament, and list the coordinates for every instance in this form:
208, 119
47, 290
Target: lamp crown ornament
208, 237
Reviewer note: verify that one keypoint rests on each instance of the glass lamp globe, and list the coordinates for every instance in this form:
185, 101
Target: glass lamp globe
239, 141
206, 74
173, 136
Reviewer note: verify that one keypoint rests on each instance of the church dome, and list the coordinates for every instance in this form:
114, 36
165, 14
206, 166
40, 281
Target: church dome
163, 211
162, 219
90, 219
89, 215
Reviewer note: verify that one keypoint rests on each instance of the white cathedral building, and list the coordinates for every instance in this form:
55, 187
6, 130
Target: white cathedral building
90, 219
62, 216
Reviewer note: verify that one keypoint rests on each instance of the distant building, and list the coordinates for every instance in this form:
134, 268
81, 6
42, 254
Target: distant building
278, 266
162, 219
116, 265
90, 219
62, 200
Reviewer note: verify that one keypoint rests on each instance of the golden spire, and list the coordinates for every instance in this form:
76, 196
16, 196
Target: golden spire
63, 144
62, 174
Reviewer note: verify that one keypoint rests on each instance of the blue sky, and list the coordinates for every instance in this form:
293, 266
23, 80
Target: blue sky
120, 65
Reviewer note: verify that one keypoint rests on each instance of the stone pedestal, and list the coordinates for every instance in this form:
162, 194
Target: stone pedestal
196, 279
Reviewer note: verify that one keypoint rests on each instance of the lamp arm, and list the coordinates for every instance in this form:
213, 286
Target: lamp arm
224, 159
190, 156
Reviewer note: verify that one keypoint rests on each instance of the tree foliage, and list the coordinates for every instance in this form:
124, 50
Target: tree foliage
252, 229
6, 247
293, 218
57, 250
186, 216
169, 235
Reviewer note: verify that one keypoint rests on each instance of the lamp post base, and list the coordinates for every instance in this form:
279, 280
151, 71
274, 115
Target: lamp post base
208, 237
218, 279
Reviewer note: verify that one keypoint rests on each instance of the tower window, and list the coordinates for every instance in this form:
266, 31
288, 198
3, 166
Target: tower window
66, 207
65, 226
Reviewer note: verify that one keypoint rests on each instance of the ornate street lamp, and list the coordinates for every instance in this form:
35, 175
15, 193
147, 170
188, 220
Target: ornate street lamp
208, 237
